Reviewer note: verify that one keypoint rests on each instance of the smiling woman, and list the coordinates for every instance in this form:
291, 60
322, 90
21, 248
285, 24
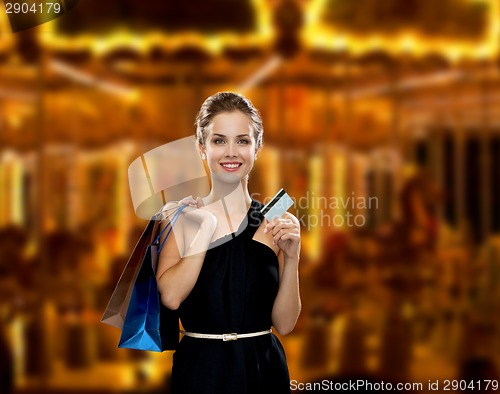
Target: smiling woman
230, 144
230, 284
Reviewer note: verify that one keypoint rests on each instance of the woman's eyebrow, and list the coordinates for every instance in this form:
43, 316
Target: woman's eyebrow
222, 135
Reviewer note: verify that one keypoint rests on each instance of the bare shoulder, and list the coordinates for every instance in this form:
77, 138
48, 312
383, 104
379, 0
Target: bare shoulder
171, 205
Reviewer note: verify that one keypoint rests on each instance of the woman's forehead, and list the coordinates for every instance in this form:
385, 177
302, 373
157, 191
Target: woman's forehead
231, 124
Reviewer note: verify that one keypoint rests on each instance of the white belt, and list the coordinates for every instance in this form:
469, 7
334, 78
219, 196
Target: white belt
226, 337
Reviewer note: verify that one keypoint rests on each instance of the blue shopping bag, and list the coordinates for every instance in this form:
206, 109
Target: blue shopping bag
148, 324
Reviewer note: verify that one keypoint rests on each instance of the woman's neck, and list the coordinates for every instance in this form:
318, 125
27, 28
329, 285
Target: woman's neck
235, 196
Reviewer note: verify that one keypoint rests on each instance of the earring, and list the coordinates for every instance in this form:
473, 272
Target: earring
203, 156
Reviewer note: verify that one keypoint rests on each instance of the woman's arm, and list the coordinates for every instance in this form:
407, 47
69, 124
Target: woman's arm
179, 264
287, 305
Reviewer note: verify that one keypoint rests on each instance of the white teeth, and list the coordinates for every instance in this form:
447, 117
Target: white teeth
230, 165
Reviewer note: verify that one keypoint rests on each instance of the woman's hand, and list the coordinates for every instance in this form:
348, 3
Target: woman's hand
286, 234
196, 212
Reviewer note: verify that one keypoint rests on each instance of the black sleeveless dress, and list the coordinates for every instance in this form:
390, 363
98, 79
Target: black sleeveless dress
234, 293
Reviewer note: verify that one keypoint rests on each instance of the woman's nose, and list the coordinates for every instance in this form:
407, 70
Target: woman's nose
230, 149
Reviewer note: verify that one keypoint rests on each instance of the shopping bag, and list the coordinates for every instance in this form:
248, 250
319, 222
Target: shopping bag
114, 314
148, 324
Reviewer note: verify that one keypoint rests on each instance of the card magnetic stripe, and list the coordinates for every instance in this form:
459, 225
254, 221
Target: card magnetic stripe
277, 206
274, 200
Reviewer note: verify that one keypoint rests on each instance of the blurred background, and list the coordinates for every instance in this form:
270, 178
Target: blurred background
381, 117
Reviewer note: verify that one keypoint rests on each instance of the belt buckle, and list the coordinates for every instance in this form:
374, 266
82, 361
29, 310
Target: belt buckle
230, 337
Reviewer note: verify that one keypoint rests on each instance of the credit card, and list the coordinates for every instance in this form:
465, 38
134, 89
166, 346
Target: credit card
278, 205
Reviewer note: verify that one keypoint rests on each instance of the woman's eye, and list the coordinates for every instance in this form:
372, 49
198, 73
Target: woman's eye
218, 141
244, 141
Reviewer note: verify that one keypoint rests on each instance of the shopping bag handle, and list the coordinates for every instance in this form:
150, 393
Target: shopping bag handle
168, 227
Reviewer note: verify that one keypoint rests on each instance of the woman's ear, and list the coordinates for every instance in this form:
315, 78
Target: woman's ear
257, 152
201, 149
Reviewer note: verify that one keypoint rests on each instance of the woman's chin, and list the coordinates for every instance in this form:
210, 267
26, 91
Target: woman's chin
227, 177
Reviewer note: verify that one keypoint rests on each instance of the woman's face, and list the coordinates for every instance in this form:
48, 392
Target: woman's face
230, 146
